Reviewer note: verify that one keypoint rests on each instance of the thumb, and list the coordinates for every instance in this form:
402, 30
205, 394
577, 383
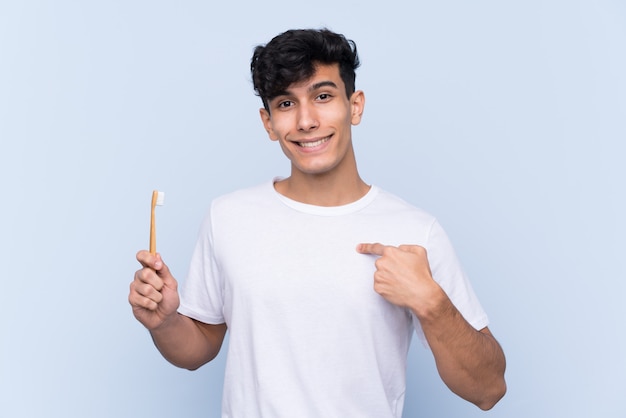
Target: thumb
161, 268
415, 249
163, 271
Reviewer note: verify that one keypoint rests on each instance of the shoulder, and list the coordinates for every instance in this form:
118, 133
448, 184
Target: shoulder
239, 204
394, 205
246, 198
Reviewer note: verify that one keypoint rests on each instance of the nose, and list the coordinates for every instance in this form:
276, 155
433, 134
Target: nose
307, 118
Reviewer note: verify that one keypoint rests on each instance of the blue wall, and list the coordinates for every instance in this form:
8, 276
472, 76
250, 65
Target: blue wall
507, 120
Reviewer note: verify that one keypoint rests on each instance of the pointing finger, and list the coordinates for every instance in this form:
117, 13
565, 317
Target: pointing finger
371, 248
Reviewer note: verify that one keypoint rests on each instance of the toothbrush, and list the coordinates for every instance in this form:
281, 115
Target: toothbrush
158, 198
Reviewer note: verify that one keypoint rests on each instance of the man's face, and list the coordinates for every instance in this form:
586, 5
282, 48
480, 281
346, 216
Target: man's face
312, 121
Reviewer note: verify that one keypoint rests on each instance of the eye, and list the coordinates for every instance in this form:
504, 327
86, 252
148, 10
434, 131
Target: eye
324, 97
285, 104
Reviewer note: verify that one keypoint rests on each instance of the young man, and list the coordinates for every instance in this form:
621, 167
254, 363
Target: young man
319, 277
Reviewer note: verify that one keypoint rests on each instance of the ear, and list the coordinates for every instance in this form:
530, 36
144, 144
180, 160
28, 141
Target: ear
267, 123
357, 105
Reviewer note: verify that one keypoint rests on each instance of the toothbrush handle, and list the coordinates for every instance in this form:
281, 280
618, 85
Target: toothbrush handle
155, 195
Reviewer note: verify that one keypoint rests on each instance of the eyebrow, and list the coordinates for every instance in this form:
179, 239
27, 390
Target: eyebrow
313, 87
322, 84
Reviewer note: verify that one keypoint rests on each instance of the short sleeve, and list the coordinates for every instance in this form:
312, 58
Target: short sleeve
447, 272
202, 293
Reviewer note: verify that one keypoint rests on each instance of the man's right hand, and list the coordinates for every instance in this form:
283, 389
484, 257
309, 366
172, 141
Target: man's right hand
153, 292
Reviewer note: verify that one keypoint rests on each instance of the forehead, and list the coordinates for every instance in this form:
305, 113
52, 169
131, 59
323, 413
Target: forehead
322, 72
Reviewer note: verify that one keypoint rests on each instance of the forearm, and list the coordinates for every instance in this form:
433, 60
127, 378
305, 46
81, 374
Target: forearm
184, 343
470, 362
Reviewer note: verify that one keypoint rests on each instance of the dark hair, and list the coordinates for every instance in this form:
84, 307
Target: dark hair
291, 57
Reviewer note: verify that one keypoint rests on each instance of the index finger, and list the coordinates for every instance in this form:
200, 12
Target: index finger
371, 248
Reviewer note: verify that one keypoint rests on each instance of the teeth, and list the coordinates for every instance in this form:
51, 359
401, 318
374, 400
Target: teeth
312, 144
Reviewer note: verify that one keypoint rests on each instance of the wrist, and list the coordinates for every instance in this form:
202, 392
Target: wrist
436, 306
166, 323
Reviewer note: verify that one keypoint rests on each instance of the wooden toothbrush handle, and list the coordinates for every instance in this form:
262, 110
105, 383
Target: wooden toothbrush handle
155, 195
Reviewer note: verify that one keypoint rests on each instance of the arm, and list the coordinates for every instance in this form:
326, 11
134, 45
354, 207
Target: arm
183, 341
470, 362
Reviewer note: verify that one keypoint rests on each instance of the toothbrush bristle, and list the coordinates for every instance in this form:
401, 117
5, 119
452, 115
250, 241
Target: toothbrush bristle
160, 198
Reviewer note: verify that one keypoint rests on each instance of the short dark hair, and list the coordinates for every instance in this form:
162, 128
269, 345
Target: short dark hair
291, 57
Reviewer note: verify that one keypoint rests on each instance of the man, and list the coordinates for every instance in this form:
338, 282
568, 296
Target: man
319, 277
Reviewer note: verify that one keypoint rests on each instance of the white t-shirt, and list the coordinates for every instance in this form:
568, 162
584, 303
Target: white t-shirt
308, 335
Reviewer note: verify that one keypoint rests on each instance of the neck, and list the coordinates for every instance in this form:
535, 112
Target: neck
323, 189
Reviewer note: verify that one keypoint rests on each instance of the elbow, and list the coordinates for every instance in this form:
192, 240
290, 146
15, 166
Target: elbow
489, 400
193, 365
187, 363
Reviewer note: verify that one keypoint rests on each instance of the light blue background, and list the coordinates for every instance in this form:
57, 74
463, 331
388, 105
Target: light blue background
504, 119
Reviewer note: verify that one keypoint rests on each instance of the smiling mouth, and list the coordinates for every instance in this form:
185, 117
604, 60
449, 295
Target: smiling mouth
313, 144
